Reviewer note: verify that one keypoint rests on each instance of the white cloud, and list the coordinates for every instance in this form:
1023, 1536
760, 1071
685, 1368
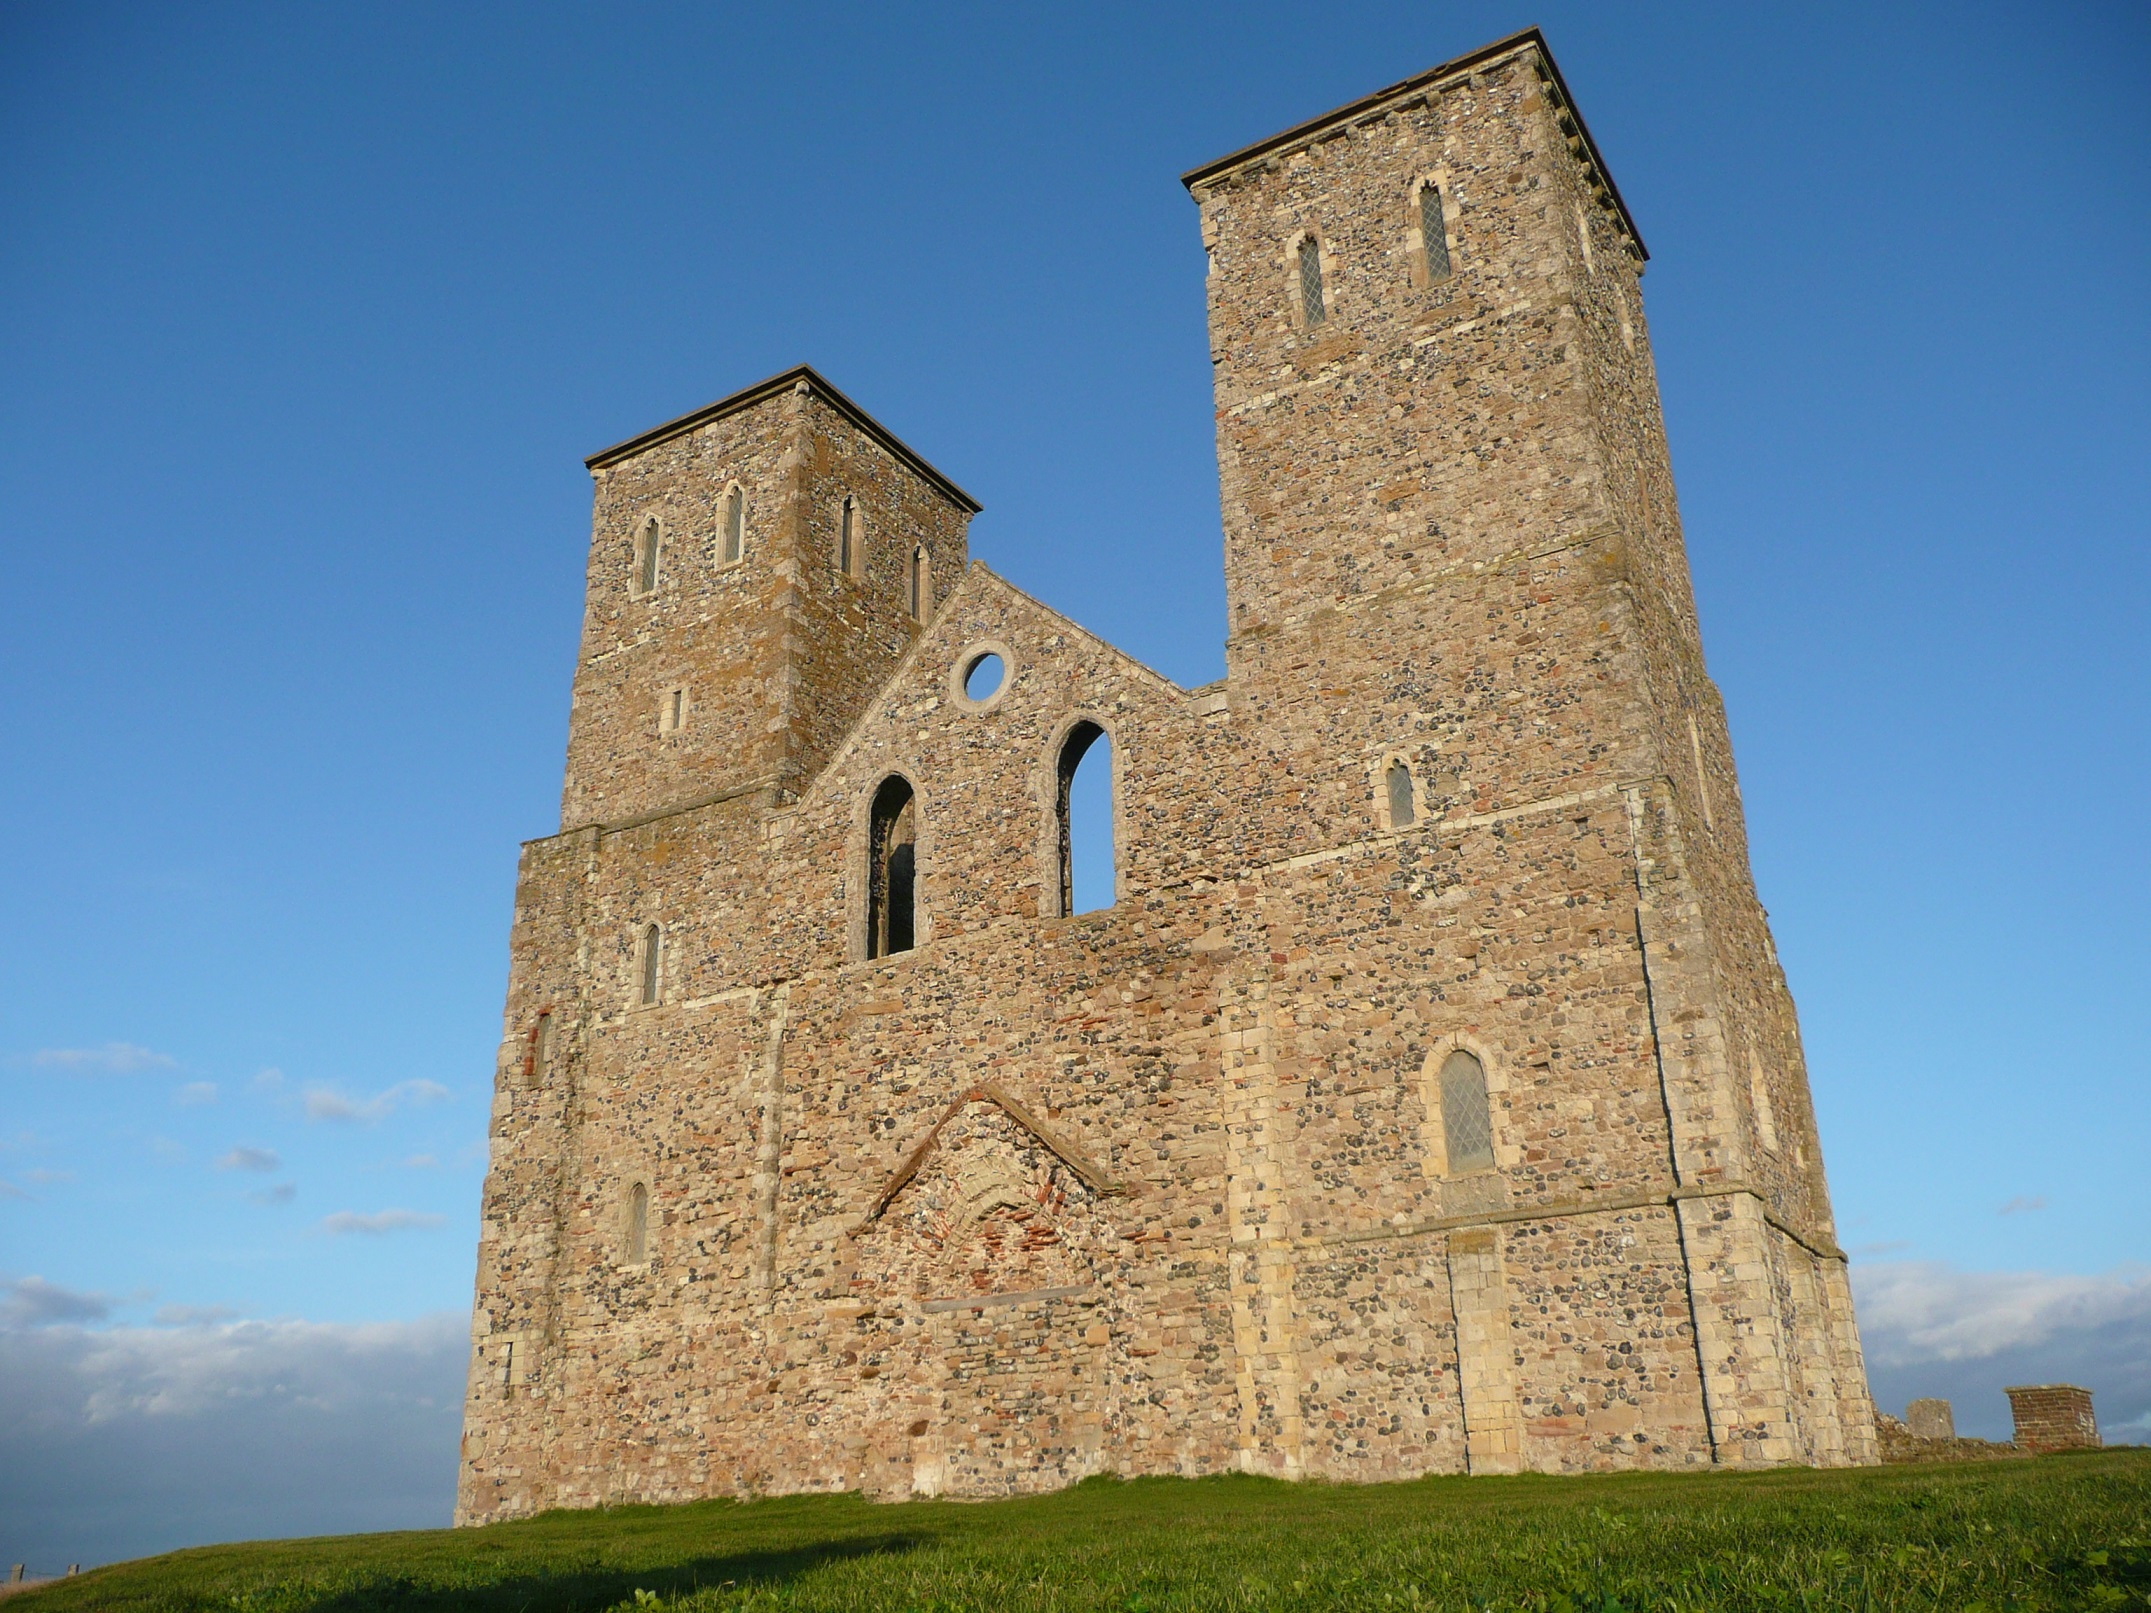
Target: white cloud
33, 1302
42, 1177
1930, 1329
380, 1221
2020, 1204
8, 1190
119, 1442
422, 1162
326, 1103
195, 1094
120, 1058
282, 1193
243, 1158
270, 1080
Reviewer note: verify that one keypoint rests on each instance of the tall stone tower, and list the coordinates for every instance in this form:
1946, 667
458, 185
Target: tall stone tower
1450, 522
1430, 1100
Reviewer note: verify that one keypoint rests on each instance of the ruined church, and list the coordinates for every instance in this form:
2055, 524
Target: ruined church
1429, 1099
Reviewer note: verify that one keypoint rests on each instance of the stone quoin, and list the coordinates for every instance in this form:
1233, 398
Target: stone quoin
1430, 1099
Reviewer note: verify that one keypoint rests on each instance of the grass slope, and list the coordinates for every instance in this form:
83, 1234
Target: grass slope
2057, 1532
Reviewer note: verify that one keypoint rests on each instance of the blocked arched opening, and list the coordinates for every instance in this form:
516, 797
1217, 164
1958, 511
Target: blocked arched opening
892, 869
1083, 812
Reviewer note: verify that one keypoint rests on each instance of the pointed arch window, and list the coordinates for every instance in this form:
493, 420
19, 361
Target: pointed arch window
1312, 308
653, 964
638, 1224
1083, 820
1397, 783
851, 538
922, 583
892, 870
648, 542
539, 1064
1434, 233
734, 545
1467, 1120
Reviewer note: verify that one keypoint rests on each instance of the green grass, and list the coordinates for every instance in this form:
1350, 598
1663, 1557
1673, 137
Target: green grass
2057, 1532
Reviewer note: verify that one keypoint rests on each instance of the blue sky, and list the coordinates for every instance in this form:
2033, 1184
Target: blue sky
309, 314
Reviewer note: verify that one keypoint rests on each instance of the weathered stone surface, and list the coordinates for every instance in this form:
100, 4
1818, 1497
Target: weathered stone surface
1164, 1188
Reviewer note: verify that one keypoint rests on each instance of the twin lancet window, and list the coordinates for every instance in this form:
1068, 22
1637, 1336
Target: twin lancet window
1430, 259
731, 540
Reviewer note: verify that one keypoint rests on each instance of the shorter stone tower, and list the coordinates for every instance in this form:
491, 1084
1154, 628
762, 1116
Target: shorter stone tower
1430, 1100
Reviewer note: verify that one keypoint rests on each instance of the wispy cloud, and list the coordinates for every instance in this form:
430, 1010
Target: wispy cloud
281, 1193
422, 1162
118, 1058
42, 1177
347, 1221
33, 1302
327, 1103
2022, 1204
269, 1080
194, 1315
196, 1094
243, 1158
8, 1190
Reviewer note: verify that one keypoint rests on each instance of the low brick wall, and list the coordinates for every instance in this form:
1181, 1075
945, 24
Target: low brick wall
2054, 1417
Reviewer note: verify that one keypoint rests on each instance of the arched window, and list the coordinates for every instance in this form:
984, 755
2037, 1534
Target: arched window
1397, 780
1083, 819
647, 545
537, 1066
1467, 1122
922, 583
653, 963
638, 1224
1312, 309
892, 869
735, 526
851, 538
1434, 232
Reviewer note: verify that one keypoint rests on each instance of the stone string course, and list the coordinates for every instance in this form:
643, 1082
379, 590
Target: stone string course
1163, 1188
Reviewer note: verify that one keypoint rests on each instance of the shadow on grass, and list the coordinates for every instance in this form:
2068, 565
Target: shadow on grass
593, 1586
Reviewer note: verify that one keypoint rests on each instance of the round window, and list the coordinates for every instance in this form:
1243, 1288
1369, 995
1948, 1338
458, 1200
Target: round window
983, 677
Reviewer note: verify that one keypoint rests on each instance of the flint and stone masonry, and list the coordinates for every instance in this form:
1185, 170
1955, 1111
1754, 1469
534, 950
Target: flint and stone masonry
1429, 1100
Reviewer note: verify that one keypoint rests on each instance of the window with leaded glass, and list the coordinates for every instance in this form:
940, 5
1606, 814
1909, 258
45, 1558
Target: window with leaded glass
1467, 1121
1311, 306
1434, 229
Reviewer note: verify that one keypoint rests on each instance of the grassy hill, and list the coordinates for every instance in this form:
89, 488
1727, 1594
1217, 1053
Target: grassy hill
2056, 1532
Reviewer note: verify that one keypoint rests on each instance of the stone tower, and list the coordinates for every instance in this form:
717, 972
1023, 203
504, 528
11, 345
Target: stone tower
1430, 1099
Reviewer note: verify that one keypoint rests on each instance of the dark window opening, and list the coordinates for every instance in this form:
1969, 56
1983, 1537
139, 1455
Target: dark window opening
848, 537
1083, 816
1434, 229
892, 870
1311, 307
922, 586
1467, 1120
1401, 810
536, 1067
